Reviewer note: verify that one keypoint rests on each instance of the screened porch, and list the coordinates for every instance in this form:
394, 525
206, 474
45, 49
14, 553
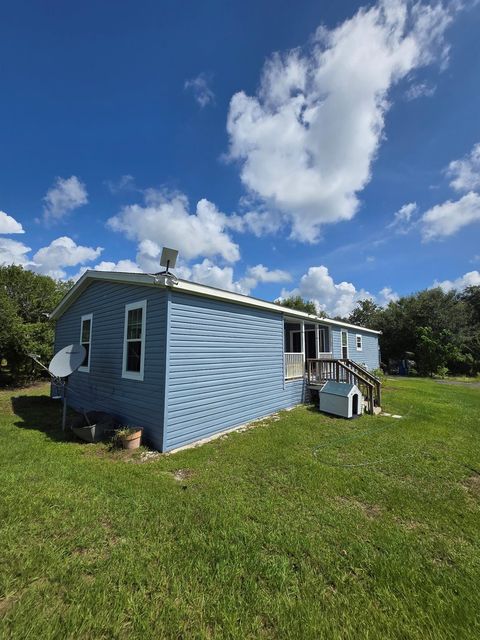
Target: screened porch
303, 341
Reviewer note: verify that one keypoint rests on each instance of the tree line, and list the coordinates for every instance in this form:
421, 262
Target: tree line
438, 330
26, 299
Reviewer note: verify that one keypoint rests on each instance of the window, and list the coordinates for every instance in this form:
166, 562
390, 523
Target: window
134, 340
86, 340
358, 342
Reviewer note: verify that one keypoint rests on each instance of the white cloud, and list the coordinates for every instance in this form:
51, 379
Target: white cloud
465, 173
13, 252
125, 266
402, 218
210, 274
60, 253
262, 274
200, 87
386, 295
9, 224
307, 140
420, 90
447, 218
335, 299
470, 279
165, 220
66, 195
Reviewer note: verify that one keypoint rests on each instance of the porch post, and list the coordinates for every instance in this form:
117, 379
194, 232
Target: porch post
317, 340
302, 340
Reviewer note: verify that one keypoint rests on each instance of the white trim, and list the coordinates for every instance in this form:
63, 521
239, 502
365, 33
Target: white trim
87, 316
134, 375
357, 336
148, 280
344, 331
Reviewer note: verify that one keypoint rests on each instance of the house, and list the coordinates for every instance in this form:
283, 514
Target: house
187, 361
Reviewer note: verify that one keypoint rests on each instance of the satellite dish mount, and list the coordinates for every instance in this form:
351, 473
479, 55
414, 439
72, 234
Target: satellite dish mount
168, 260
62, 365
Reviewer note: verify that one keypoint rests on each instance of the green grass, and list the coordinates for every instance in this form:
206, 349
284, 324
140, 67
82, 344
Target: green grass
302, 527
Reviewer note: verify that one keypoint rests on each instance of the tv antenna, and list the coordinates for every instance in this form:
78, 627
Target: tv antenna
61, 366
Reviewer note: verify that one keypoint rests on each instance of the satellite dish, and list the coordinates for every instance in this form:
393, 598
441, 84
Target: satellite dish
67, 360
168, 258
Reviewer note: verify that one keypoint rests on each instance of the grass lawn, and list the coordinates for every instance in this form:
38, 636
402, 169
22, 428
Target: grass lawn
303, 527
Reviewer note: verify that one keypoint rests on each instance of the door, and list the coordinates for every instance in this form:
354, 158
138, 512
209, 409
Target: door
344, 345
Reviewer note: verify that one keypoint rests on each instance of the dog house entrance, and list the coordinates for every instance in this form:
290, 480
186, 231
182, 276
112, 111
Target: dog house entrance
355, 404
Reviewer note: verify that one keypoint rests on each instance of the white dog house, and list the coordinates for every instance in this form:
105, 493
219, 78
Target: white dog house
341, 399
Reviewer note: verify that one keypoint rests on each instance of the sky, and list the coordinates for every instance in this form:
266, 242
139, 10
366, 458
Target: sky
325, 149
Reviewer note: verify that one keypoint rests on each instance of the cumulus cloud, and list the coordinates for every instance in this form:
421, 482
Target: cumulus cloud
64, 196
200, 87
470, 279
335, 299
60, 253
465, 173
8, 224
306, 141
125, 266
208, 273
13, 252
449, 217
165, 220
386, 295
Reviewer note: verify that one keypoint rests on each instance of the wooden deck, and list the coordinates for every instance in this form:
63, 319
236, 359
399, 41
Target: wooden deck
319, 371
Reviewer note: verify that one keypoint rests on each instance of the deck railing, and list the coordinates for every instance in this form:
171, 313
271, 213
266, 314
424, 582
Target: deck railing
294, 365
321, 370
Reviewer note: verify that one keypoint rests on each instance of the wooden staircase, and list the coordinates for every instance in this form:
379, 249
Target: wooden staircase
320, 371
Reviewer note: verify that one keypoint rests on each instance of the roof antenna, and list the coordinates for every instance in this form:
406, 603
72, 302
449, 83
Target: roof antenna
168, 259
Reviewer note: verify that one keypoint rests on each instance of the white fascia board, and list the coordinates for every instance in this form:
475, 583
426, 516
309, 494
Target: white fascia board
192, 288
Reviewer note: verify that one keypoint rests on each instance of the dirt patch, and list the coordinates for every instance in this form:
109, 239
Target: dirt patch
370, 510
7, 603
472, 484
183, 474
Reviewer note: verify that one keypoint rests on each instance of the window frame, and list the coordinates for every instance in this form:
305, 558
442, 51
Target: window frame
357, 336
134, 375
84, 318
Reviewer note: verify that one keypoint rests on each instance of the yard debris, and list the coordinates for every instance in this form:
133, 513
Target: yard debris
147, 456
183, 474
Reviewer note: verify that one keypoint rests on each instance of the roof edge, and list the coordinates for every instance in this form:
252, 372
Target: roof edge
185, 286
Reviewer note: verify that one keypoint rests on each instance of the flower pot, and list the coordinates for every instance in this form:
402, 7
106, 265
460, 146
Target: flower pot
132, 441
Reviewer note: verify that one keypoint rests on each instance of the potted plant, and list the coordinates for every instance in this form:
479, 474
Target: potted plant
129, 437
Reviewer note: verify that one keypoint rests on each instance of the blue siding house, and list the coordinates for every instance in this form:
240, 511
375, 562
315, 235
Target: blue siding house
186, 361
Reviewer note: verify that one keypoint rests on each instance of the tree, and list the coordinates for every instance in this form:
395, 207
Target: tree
26, 299
432, 350
299, 304
366, 314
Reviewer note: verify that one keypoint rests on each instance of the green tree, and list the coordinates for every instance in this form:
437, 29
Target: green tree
432, 350
26, 299
299, 304
366, 314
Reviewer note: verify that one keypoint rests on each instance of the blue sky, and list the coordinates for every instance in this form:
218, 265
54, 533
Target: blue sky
321, 148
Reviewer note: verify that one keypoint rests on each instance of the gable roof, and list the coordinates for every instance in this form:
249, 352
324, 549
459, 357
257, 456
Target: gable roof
193, 288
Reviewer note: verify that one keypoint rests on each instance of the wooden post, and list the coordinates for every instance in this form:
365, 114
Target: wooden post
302, 340
317, 341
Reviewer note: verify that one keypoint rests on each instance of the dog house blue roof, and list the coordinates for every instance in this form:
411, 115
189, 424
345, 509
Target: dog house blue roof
339, 388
